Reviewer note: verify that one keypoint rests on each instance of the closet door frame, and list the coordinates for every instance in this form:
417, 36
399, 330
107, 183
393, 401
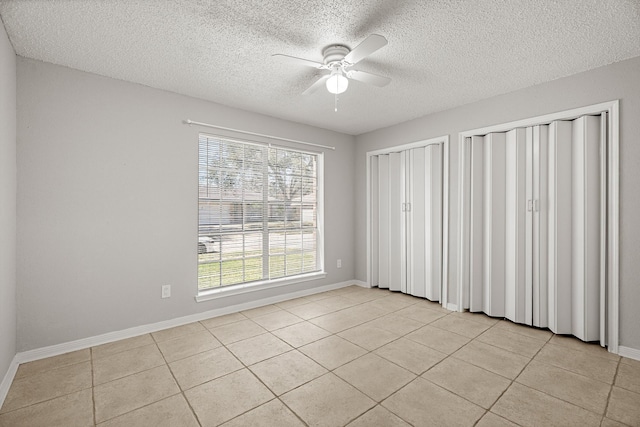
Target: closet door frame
611, 260
444, 142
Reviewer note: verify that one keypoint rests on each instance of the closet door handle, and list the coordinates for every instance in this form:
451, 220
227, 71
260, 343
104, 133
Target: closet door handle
529, 205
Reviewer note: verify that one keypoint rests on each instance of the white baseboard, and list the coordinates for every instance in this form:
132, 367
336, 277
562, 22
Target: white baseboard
361, 283
631, 353
8, 379
54, 350
451, 307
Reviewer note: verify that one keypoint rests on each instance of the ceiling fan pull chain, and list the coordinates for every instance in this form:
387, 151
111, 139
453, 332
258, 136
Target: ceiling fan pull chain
335, 102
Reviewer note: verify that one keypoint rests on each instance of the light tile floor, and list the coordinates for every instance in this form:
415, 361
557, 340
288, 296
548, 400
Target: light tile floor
352, 356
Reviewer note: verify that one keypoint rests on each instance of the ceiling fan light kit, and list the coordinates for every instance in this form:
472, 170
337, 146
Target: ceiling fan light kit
337, 82
334, 60
338, 60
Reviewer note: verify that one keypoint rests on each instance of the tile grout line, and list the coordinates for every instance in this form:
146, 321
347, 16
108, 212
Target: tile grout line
93, 389
549, 342
451, 356
195, 415
514, 380
552, 396
613, 383
565, 348
496, 347
291, 409
146, 370
329, 371
245, 366
51, 398
578, 373
127, 349
379, 403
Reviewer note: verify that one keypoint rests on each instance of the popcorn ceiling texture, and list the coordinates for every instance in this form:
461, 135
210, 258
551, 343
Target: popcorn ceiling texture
441, 53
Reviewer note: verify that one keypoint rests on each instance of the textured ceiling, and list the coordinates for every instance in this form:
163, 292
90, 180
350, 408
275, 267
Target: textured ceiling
441, 53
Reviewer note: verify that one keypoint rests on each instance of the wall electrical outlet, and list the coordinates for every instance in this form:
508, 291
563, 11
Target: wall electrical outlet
166, 291
339, 263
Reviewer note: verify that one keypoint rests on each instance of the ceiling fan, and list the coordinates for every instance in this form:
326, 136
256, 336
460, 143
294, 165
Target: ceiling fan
338, 60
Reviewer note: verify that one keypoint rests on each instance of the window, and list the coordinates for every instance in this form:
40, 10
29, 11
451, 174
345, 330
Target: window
258, 213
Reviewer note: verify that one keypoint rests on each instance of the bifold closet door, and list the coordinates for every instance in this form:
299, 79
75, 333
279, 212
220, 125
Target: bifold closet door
575, 226
526, 229
537, 225
424, 221
386, 206
406, 221
476, 224
560, 244
397, 272
517, 239
374, 195
488, 218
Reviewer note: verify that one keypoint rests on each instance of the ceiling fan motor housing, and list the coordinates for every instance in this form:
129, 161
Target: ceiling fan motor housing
334, 53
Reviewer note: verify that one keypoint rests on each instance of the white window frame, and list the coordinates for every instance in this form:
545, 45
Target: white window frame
243, 288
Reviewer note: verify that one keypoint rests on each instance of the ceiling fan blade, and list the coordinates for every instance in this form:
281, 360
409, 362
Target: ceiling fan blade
370, 78
366, 48
316, 85
299, 61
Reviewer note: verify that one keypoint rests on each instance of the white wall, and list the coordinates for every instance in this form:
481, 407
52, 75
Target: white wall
616, 81
107, 203
7, 202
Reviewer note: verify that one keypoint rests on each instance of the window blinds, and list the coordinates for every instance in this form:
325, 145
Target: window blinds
257, 212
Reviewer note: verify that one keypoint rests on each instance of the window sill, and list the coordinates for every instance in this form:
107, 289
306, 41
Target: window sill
257, 286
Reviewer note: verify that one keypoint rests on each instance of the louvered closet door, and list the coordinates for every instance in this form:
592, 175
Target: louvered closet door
424, 221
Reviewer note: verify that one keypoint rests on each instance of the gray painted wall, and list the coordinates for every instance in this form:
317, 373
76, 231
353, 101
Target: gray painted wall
107, 203
7, 202
616, 81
